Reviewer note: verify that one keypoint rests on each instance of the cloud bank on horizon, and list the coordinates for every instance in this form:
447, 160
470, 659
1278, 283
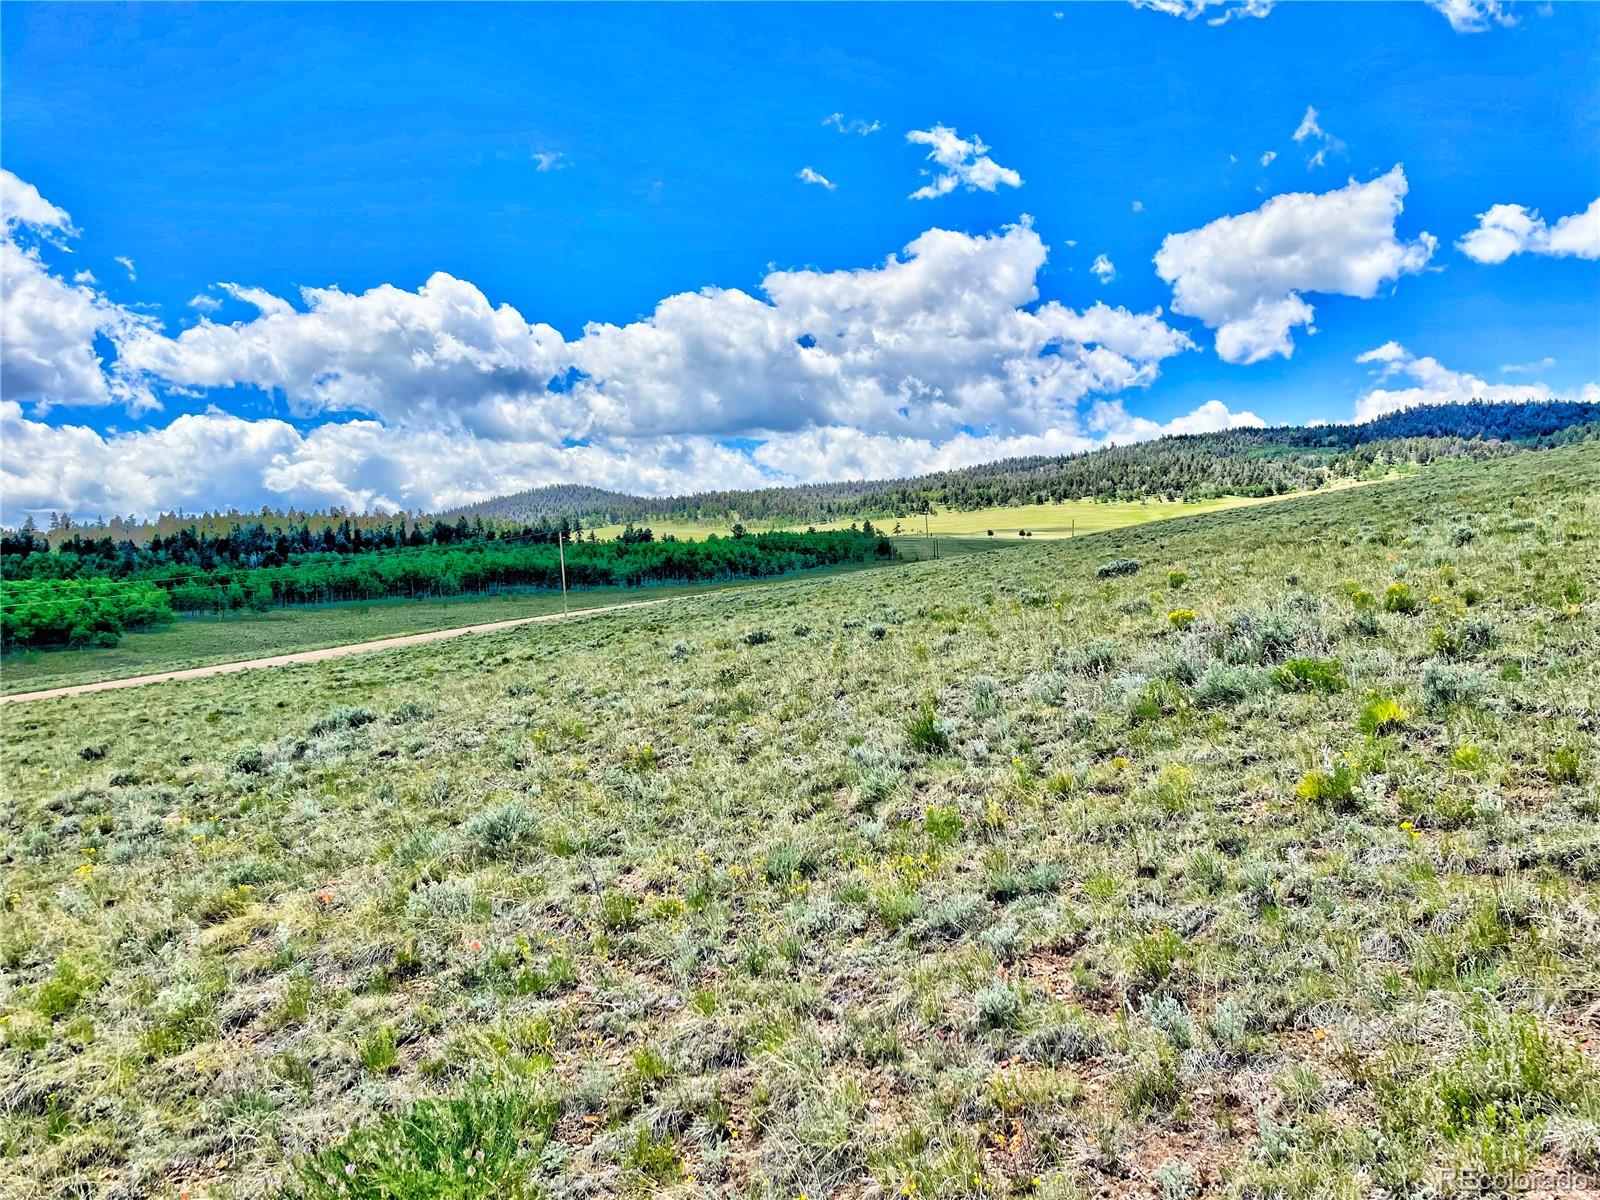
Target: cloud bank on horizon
128, 388
942, 356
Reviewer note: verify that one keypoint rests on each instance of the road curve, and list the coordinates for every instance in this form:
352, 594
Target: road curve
306, 656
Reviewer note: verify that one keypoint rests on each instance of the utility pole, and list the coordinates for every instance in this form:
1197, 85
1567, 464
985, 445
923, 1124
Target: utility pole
561, 550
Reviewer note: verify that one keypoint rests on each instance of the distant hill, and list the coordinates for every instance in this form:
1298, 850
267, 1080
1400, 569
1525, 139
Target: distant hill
1239, 462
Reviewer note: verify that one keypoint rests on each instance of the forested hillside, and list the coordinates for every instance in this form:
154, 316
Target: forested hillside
1239, 462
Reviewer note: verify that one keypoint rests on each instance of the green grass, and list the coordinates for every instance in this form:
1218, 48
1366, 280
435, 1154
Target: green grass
1061, 520
977, 877
198, 641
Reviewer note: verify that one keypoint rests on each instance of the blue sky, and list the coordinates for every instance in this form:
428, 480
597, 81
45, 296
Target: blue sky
587, 163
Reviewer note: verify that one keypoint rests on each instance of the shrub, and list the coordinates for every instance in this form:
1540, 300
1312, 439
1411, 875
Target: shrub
1462, 640
409, 711
341, 718
1222, 685
1181, 618
1176, 579
999, 1006
1118, 566
1267, 637
1365, 624
1334, 788
983, 696
756, 637
1398, 597
1229, 1027
1381, 714
500, 832
1311, 675
1096, 658
1005, 883
1177, 1181
1444, 684
1167, 1014
1047, 687
252, 760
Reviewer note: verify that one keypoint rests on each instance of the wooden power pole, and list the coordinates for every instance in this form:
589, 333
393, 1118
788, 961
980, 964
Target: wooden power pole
561, 551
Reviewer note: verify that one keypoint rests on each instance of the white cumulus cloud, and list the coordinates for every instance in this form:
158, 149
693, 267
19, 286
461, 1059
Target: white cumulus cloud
432, 397
1405, 381
1103, 268
1226, 10
1244, 276
1474, 16
966, 162
1508, 229
807, 175
1310, 130
49, 328
853, 125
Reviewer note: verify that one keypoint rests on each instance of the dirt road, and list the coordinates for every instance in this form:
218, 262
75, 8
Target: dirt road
306, 656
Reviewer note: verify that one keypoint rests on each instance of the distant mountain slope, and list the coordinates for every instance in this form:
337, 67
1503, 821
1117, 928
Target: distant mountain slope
1240, 462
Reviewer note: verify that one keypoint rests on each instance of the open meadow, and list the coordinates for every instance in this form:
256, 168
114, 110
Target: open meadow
198, 641
1064, 518
1250, 854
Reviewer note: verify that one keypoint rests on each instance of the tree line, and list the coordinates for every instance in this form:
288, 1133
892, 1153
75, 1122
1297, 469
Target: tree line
28, 554
90, 610
77, 612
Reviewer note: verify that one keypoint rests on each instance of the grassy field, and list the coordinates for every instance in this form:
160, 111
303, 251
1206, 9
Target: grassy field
1040, 520
1253, 855
197, 641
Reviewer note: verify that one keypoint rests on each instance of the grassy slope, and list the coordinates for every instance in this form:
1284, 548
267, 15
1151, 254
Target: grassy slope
745, 917
201, 641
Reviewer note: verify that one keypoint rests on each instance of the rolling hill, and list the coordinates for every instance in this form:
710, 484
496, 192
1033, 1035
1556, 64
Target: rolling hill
1251, 853
1240, 462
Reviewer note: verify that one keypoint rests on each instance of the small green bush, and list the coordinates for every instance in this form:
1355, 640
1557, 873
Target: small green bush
252, 760
999, 1006
1444, 684
1398, 597
341, 718
500, 832
1334, 788
1222, 685
1311, 675
1382, 714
